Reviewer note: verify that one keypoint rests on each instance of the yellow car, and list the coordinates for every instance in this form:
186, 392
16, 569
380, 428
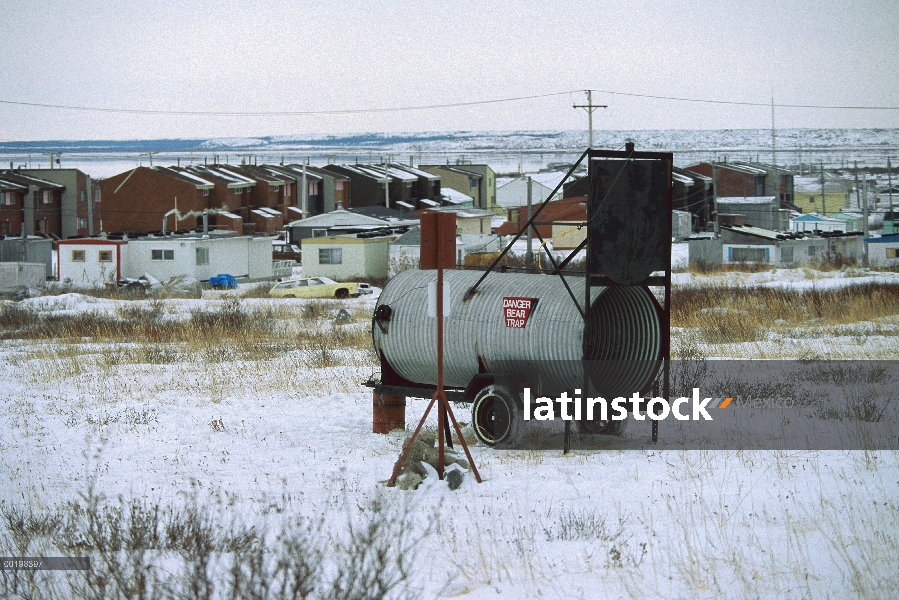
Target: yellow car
319, 287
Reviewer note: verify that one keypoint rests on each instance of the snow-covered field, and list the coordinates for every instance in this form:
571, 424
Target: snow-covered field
261, 440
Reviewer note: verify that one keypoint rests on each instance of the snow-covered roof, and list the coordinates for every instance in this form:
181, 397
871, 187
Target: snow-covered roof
11, 186
812, 185
339, 218
233, 179
22, 178
418, 172
184, 174
455, 196
427, 202
688, 181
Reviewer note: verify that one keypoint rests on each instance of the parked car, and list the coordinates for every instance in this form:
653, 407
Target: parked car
281, 250
319, 287
222, 281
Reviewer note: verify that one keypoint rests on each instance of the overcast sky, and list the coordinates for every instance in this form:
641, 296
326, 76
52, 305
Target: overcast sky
190, 55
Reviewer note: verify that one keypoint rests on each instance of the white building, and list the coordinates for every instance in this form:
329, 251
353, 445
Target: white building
347, 257
883, 251
90, 260
93, 261
812, 223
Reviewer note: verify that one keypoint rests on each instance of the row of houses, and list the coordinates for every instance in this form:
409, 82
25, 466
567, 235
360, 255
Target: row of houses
57, 203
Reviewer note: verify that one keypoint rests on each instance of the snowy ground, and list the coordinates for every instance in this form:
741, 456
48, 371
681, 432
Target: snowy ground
264, 440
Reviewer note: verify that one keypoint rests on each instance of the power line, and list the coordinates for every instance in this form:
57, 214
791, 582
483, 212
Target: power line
349, 111
287, 113
739, 103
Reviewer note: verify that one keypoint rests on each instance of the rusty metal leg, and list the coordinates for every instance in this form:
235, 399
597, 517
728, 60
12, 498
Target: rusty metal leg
399, 464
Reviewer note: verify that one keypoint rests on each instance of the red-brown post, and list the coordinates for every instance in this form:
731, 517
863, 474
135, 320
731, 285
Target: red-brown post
388, 412
434, 226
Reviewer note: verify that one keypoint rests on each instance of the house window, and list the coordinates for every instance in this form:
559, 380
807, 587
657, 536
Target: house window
202, 256
45, 197
319, 233
277, 188
238, 191
105, 256
472, 182
287, 190
96, 195
206, 192
812, 250
7, 199
786, 255
77, 255
892, 252
162, 254
313, 188
756, 255
82, 222
338, 185
330, 256
82, 196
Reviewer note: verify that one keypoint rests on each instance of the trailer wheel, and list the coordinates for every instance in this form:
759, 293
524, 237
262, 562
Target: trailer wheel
597, 426
496, 417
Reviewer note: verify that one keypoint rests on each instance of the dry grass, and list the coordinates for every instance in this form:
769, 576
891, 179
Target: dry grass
741, 314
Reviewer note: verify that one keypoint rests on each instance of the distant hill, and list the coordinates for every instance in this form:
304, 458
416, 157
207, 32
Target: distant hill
669, 140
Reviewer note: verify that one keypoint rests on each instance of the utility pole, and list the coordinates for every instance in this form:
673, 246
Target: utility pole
774, 155
864, 213
58, 155
386, 187
890, 192
590, 107
715, 196
529, 257
304, 202
823, 200
150, 155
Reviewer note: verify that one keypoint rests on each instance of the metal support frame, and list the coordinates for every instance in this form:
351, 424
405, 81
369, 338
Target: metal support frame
593, 279
443, 410
597, 279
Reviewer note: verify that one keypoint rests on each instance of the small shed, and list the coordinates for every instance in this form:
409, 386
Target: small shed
14, 275
244, 257
29, 249
883, 251
814, 223
347, 257
90, 260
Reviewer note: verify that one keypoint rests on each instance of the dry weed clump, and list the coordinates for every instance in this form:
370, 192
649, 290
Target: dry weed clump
141, 550
739, 314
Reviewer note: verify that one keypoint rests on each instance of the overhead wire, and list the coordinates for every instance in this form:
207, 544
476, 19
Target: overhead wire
350, 111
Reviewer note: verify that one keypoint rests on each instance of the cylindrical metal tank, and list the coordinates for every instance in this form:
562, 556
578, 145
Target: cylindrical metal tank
548, 349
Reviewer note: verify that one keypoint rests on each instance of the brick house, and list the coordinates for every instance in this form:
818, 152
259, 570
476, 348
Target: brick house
79, 200
137, 201
12, 201
40, 204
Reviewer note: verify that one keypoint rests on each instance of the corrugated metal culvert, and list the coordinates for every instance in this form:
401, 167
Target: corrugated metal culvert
625, 339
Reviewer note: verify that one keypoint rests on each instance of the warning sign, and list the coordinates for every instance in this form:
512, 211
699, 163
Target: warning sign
516, 311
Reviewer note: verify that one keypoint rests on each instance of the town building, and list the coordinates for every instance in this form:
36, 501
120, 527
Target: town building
92, 261
347, 257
